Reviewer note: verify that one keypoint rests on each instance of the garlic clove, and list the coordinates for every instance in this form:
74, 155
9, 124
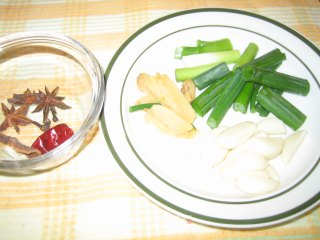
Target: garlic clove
250, 161
268, 147
255, 185
230, 171
234, 136
259, 173
272, 173
260, 133
240, 162
227, 168
291, 145
212, 154
271, 126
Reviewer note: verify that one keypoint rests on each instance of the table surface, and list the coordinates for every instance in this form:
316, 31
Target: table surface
89, 197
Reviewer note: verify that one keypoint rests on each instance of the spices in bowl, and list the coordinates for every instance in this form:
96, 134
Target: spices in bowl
48, 81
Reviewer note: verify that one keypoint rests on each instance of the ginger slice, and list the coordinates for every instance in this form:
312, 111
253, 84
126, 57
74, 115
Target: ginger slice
188, 89
170, 122
167, 93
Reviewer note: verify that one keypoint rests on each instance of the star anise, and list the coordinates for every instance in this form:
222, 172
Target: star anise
49, 102
17, 117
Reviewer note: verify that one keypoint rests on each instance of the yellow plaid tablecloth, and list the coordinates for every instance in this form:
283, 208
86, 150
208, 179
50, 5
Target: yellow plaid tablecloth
89, 197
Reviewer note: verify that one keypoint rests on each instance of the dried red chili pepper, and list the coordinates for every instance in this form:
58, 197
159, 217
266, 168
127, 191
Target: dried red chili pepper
52, 138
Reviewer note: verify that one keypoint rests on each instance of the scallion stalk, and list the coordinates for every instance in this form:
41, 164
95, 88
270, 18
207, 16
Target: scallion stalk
226, 98
185, 51
213, 74
281, 81
243, 99
269, 60
214, 46
204, 102
253, 98
142, 106
281, 108
248, 55
204, 47
185, 73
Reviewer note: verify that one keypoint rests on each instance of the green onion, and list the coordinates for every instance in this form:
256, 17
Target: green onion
226, 98
271, 59
230, 56
261, 110
185, 73
243, 99
214, 46
253, 100
248, 55
185, 51
204, 47
213, 74
281, 108
203, 103
142, 106
279, 81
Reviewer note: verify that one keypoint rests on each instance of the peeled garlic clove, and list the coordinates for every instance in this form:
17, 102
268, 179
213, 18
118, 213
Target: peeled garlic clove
268, 172
260, 134
240, 162
227, 168
255, 185
250, 161
236, 135
272, 173
268, 147
211, 154
218, 156
271, 126
259, 173
230, 171
291, 144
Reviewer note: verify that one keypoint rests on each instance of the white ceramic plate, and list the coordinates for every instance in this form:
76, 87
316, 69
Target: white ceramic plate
169, 170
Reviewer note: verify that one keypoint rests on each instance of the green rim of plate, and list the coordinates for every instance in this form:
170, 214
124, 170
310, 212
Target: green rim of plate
256, 221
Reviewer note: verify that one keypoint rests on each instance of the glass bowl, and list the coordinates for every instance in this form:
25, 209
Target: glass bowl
41, 61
